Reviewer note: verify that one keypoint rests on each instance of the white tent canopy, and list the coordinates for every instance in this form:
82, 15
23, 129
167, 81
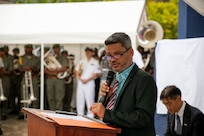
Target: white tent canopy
73, 23
68, 23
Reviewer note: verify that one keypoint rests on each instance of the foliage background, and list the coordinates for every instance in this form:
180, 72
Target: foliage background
166, 13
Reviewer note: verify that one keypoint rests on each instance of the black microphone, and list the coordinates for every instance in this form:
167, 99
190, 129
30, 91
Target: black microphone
109, 80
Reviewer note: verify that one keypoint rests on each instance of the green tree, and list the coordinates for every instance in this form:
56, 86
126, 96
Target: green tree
166, 13
54, 1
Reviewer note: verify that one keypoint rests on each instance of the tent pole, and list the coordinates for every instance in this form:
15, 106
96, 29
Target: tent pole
42, 77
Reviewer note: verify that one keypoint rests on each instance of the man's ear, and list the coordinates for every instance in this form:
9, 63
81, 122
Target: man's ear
131, 51
178, 98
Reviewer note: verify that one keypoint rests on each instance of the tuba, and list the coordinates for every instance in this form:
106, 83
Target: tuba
150, 32
50, 62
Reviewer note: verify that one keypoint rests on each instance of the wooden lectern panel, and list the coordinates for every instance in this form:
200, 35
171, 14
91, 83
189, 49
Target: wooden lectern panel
73, 131
39, 125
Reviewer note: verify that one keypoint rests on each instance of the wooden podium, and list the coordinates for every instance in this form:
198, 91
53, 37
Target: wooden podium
40, 125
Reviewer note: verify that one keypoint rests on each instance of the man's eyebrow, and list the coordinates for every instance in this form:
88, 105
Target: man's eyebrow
166, 102
117, 52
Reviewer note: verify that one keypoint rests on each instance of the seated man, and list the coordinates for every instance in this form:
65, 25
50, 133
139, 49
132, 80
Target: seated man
183, 119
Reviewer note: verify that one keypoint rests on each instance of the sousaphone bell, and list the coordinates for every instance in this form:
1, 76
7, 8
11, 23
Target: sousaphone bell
149, 33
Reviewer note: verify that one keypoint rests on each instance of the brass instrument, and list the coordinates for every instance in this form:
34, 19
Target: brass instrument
28, 93
16, 66
150, 32
2, 97
50, 62
81, 68
69, 77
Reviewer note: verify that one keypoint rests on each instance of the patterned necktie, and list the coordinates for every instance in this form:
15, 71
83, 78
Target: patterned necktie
113, 96
179, 127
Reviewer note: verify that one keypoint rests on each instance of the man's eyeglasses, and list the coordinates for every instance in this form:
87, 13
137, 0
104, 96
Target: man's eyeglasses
116, 56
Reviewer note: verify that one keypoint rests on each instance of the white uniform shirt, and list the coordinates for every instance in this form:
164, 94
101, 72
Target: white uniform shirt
88, 67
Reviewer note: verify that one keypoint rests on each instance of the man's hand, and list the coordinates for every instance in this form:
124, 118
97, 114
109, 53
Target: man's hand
105, 90
98, 109
84, 81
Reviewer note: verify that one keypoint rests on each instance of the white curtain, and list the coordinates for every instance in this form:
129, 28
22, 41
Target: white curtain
181, 63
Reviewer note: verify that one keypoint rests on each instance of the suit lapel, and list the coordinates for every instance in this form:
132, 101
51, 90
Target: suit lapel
186, 120
128, 80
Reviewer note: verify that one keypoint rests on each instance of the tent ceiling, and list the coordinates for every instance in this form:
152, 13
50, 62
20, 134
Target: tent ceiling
74, 23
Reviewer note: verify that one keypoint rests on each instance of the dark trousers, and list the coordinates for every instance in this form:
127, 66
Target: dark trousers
97, 86
68, 96
15, 92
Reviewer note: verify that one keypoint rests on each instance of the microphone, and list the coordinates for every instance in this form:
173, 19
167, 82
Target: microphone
109, 80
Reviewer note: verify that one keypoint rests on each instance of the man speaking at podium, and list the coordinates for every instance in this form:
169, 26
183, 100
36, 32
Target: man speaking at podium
130, 101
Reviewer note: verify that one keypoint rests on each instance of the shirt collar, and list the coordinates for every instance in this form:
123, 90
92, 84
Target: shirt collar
123, 75
181, 111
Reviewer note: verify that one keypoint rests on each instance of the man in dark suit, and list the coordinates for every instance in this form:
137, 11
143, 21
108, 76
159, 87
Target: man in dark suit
136, 94
191, 118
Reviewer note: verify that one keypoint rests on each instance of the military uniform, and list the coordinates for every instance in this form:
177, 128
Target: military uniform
69, 85
56, 88
34, 62
15, 90
6, 83
86, 91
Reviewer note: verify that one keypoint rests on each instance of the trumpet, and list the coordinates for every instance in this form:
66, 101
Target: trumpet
51, 62
28, 86
2, 97
81, 68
